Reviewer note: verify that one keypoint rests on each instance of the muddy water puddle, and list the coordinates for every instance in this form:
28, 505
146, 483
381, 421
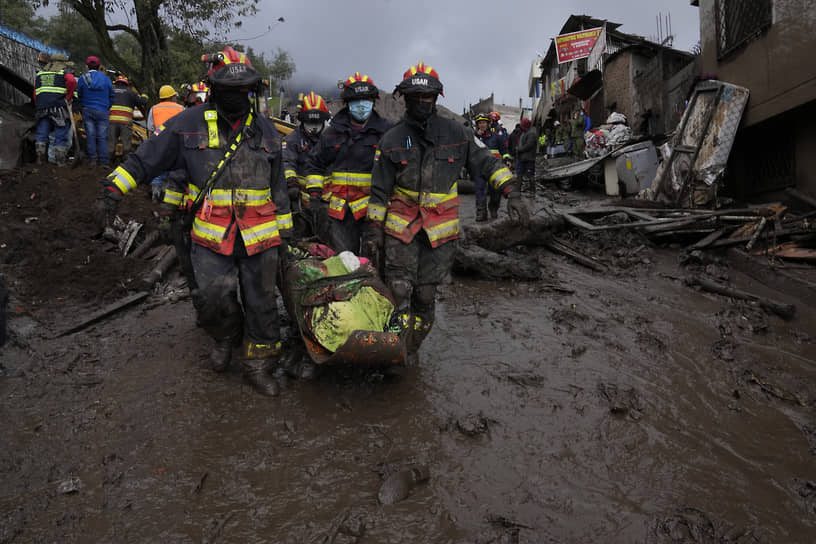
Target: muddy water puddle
601, 415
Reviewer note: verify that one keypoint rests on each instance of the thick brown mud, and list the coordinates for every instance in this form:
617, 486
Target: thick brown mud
584, 407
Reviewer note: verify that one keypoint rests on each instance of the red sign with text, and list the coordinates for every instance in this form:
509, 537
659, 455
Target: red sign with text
576, 45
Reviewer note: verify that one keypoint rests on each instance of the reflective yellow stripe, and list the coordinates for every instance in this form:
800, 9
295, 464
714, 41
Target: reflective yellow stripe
336, 203
429, 200
173, 197
359, 204
376, 212
208, 231
289, 174
354, 179
396, 223
314, 182
443, 230
212, 128
55, 90
285, 221
122, 109
243, 197
122, 179
259, 233
500, 177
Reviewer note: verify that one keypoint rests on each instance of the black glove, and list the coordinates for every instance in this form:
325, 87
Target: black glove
293, 188
516, 209
107, 203
373, 238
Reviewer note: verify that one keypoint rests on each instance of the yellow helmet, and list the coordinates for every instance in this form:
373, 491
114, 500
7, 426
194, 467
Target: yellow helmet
166, 91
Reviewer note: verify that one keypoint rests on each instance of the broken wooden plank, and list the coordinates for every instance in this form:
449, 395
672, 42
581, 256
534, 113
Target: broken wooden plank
148, 242
562, 248
165, 262
785, 311
756, 234
705, 242
105, 312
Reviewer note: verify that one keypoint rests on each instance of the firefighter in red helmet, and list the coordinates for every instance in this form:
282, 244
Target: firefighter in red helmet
236, 211
413, 213
312, 114
338, 170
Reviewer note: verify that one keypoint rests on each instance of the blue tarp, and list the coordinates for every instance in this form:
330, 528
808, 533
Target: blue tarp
29, 41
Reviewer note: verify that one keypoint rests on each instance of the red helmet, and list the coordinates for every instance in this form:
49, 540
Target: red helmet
420, 79
359, 86
495, 116
230, 68
92, 62
123, 80
313, 108
195, 94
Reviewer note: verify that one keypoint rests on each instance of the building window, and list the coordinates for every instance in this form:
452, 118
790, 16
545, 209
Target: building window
739, 22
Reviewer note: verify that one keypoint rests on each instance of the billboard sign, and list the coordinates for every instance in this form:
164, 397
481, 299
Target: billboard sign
576, 45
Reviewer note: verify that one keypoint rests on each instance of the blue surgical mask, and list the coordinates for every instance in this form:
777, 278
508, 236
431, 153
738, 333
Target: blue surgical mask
361, 109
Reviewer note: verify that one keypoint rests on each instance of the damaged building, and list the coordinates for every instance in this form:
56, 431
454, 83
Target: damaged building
612, 71
766, 46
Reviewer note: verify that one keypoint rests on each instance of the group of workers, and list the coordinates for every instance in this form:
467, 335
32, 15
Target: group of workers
517, 150
107, 109
360, 183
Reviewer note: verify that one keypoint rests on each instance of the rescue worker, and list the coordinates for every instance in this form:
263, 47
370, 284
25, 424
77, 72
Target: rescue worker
53, 90
413, 214
577, 135
196, 94
237, 204
495, 143
95, 95
312, 114
528, 145
339, 166
166, 108
125, 100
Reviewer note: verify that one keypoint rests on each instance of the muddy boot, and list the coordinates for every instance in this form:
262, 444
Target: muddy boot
481, 212
221, 355
61, 155
307, 370
42, 152
260, 360
256, 372
494, 211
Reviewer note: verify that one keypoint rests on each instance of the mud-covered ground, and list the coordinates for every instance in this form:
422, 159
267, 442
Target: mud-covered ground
585, 407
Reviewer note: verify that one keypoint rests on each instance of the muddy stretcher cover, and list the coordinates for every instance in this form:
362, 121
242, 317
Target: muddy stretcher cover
334, 295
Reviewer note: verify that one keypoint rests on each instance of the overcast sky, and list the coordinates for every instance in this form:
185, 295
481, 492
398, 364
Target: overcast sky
477, 46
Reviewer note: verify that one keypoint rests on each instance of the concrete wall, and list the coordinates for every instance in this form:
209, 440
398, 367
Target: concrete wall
779, 67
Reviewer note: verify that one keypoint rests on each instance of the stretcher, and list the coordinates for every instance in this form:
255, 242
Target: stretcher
342, 309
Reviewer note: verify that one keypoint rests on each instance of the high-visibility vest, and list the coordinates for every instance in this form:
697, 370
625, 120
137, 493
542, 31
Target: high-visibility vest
164, 111
49, 88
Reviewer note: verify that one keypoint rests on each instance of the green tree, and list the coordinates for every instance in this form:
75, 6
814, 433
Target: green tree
151, 22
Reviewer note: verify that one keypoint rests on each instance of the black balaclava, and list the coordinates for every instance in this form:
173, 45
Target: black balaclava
234, 103
419, 111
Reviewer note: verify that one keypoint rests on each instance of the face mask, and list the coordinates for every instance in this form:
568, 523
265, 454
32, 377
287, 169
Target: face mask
232, 102
313, 128
419, 111
361, 109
